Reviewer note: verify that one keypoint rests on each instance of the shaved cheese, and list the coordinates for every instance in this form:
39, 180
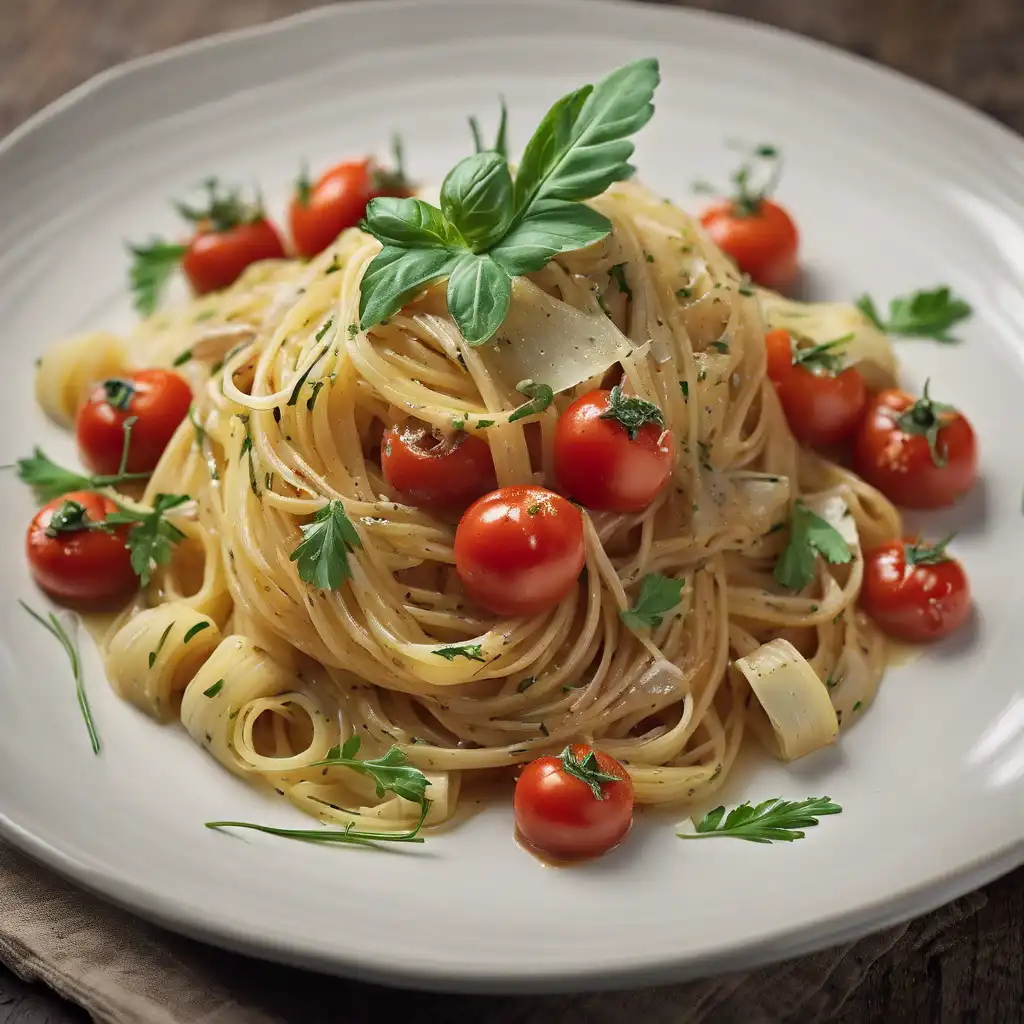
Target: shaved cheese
548, 341
749, 502
869, 350
795, 700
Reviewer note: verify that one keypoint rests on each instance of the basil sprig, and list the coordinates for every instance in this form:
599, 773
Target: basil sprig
490, 227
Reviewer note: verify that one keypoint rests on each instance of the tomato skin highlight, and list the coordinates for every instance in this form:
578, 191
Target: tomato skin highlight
558, 814
900, 465
764, 244
432, 469
915, 603
216, 259
161, 401
598, 464
83, 567
519, 550
821, 408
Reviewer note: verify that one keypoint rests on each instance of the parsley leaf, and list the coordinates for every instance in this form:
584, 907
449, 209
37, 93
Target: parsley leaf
618, 275
774, 820
323, 552
809, 536
633, 413
658, 596
490, 228
152, 537
471, 652
151, 269
922, 314
391, 772
49, 481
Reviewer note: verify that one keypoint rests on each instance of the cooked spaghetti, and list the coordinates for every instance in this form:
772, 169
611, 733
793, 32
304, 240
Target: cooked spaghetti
291, 398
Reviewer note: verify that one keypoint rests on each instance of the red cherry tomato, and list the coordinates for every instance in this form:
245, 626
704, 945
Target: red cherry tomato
822, 406
337, 200
605, 463
519, 550
80, 565
577, 805
920, 453
158, 399
216, 259
763, 243
915, 592
431, 468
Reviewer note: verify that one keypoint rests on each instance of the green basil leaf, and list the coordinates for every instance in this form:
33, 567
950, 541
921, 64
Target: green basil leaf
479, 292
582, 144
549, 228
477, 198
410, 223
395, 275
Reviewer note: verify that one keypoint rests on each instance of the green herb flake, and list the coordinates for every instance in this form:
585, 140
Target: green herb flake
212, 691
658, 596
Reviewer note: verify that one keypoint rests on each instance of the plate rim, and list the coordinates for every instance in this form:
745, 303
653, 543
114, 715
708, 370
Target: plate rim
184, 918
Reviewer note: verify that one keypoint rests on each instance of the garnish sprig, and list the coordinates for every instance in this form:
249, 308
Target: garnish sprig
152, 536
52, 624
809, 536
658, 596
921, 314
773, 821
391, 772
490, 228
754, 181
322, 555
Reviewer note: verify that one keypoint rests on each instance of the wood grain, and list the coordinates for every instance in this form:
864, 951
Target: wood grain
971, 49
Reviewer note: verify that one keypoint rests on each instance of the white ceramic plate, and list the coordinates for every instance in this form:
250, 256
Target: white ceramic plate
894, 186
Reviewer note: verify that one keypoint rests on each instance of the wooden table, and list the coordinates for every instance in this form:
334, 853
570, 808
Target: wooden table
973, 49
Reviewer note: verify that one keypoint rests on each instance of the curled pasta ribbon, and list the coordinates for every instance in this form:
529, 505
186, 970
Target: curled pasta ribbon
154, 655
234, 689
71, 367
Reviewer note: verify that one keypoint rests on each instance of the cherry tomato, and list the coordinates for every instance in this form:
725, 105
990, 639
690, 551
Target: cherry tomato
337, 200
159, 401
914, 591
613, 463
920, 453
577, 805
763, 242
519, 550
432, 468
823, 404
215, 259
77, 564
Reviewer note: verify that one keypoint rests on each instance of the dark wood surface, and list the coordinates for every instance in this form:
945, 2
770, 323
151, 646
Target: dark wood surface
972, 49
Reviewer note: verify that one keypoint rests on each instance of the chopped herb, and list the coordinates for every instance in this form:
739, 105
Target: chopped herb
540, 395
525, 684
483, 424
809, 536
311, 401
648, 257
197, 628
212, 691
658, 596
294, 397
857, 706
684, 386
352, 330
471, 652
774, 820
543, 729
182, 358
152, 537
532, 510
151, 269
684, 293
322, 555
159, 644
618, 275
720, 346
